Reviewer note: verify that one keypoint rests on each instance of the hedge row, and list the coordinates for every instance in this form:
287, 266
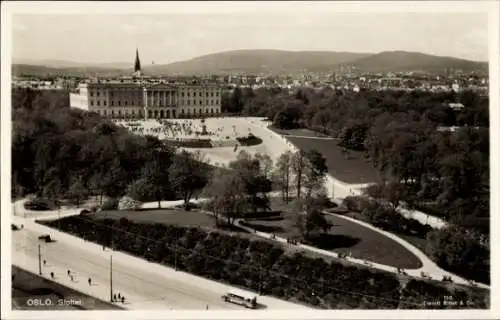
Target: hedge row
262, 266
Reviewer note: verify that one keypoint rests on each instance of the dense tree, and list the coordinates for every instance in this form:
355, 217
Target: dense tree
282, 174
227, 191
188, 175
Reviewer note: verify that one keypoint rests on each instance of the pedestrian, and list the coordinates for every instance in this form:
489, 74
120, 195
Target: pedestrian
119, 296
90, 281
123, 299
52, 275
44, 262
207, 307
114, 297
69, 272
71, 277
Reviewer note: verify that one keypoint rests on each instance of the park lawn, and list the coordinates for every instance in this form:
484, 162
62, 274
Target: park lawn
178, 217
352, 169
418, 242
298, 132
344, 236
27, 285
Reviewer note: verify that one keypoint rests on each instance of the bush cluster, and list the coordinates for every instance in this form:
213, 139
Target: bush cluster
249, 140
259, 265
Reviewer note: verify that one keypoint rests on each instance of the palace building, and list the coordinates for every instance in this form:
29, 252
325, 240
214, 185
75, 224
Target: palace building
138, 99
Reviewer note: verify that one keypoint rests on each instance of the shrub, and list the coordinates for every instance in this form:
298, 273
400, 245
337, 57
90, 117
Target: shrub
127, 203
249, 140
40, 204
110, 204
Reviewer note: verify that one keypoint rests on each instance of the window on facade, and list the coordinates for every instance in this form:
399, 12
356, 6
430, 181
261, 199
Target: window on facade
194, 94
112, 103
104, 102
98, 103
92, 103
188, 94
105, 112
98, 93
91, 94
126, 102
217, 94
188, 102
211, 94
201, 102
182, 94
194, 102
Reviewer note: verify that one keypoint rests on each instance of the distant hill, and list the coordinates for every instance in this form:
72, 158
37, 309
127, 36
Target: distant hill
262, 61
36, 70
70, 64
256, 61
415, 61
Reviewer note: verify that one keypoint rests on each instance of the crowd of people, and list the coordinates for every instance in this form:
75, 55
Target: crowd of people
181, 129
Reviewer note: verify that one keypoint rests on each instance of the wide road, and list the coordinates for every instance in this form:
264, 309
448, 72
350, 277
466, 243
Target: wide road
145, 285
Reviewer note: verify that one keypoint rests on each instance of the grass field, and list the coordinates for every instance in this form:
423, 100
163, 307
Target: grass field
163, 216
28, 287
352, 169
298, 132
418, 242
344, 236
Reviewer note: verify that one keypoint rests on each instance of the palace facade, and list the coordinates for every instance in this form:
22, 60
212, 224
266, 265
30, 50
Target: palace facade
142, 100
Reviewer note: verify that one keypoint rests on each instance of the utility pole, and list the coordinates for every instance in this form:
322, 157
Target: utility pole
260, 275
39, 260
111, 278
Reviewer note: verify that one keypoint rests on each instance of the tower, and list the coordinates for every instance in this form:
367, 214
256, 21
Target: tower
137, 64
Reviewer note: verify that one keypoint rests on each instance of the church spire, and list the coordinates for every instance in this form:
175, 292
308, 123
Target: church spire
137, 64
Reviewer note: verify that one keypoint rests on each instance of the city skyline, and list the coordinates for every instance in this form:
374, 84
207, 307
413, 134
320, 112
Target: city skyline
168, 38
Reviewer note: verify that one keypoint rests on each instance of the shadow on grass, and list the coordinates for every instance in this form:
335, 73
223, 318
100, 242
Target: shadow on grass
260, 306
333, 241
38, 291
264, 228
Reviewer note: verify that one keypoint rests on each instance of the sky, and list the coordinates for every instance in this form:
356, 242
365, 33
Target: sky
104, 36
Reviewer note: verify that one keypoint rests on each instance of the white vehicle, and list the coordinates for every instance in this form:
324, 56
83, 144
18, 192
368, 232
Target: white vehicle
242, 298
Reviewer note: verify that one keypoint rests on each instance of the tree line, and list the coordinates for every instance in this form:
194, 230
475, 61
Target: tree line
441, 172
63, 153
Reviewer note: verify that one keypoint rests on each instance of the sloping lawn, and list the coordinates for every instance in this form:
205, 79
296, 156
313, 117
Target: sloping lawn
163, 216
345, 236
352, 169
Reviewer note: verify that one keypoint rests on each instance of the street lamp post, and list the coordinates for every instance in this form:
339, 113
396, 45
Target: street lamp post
111, 277
39, 260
